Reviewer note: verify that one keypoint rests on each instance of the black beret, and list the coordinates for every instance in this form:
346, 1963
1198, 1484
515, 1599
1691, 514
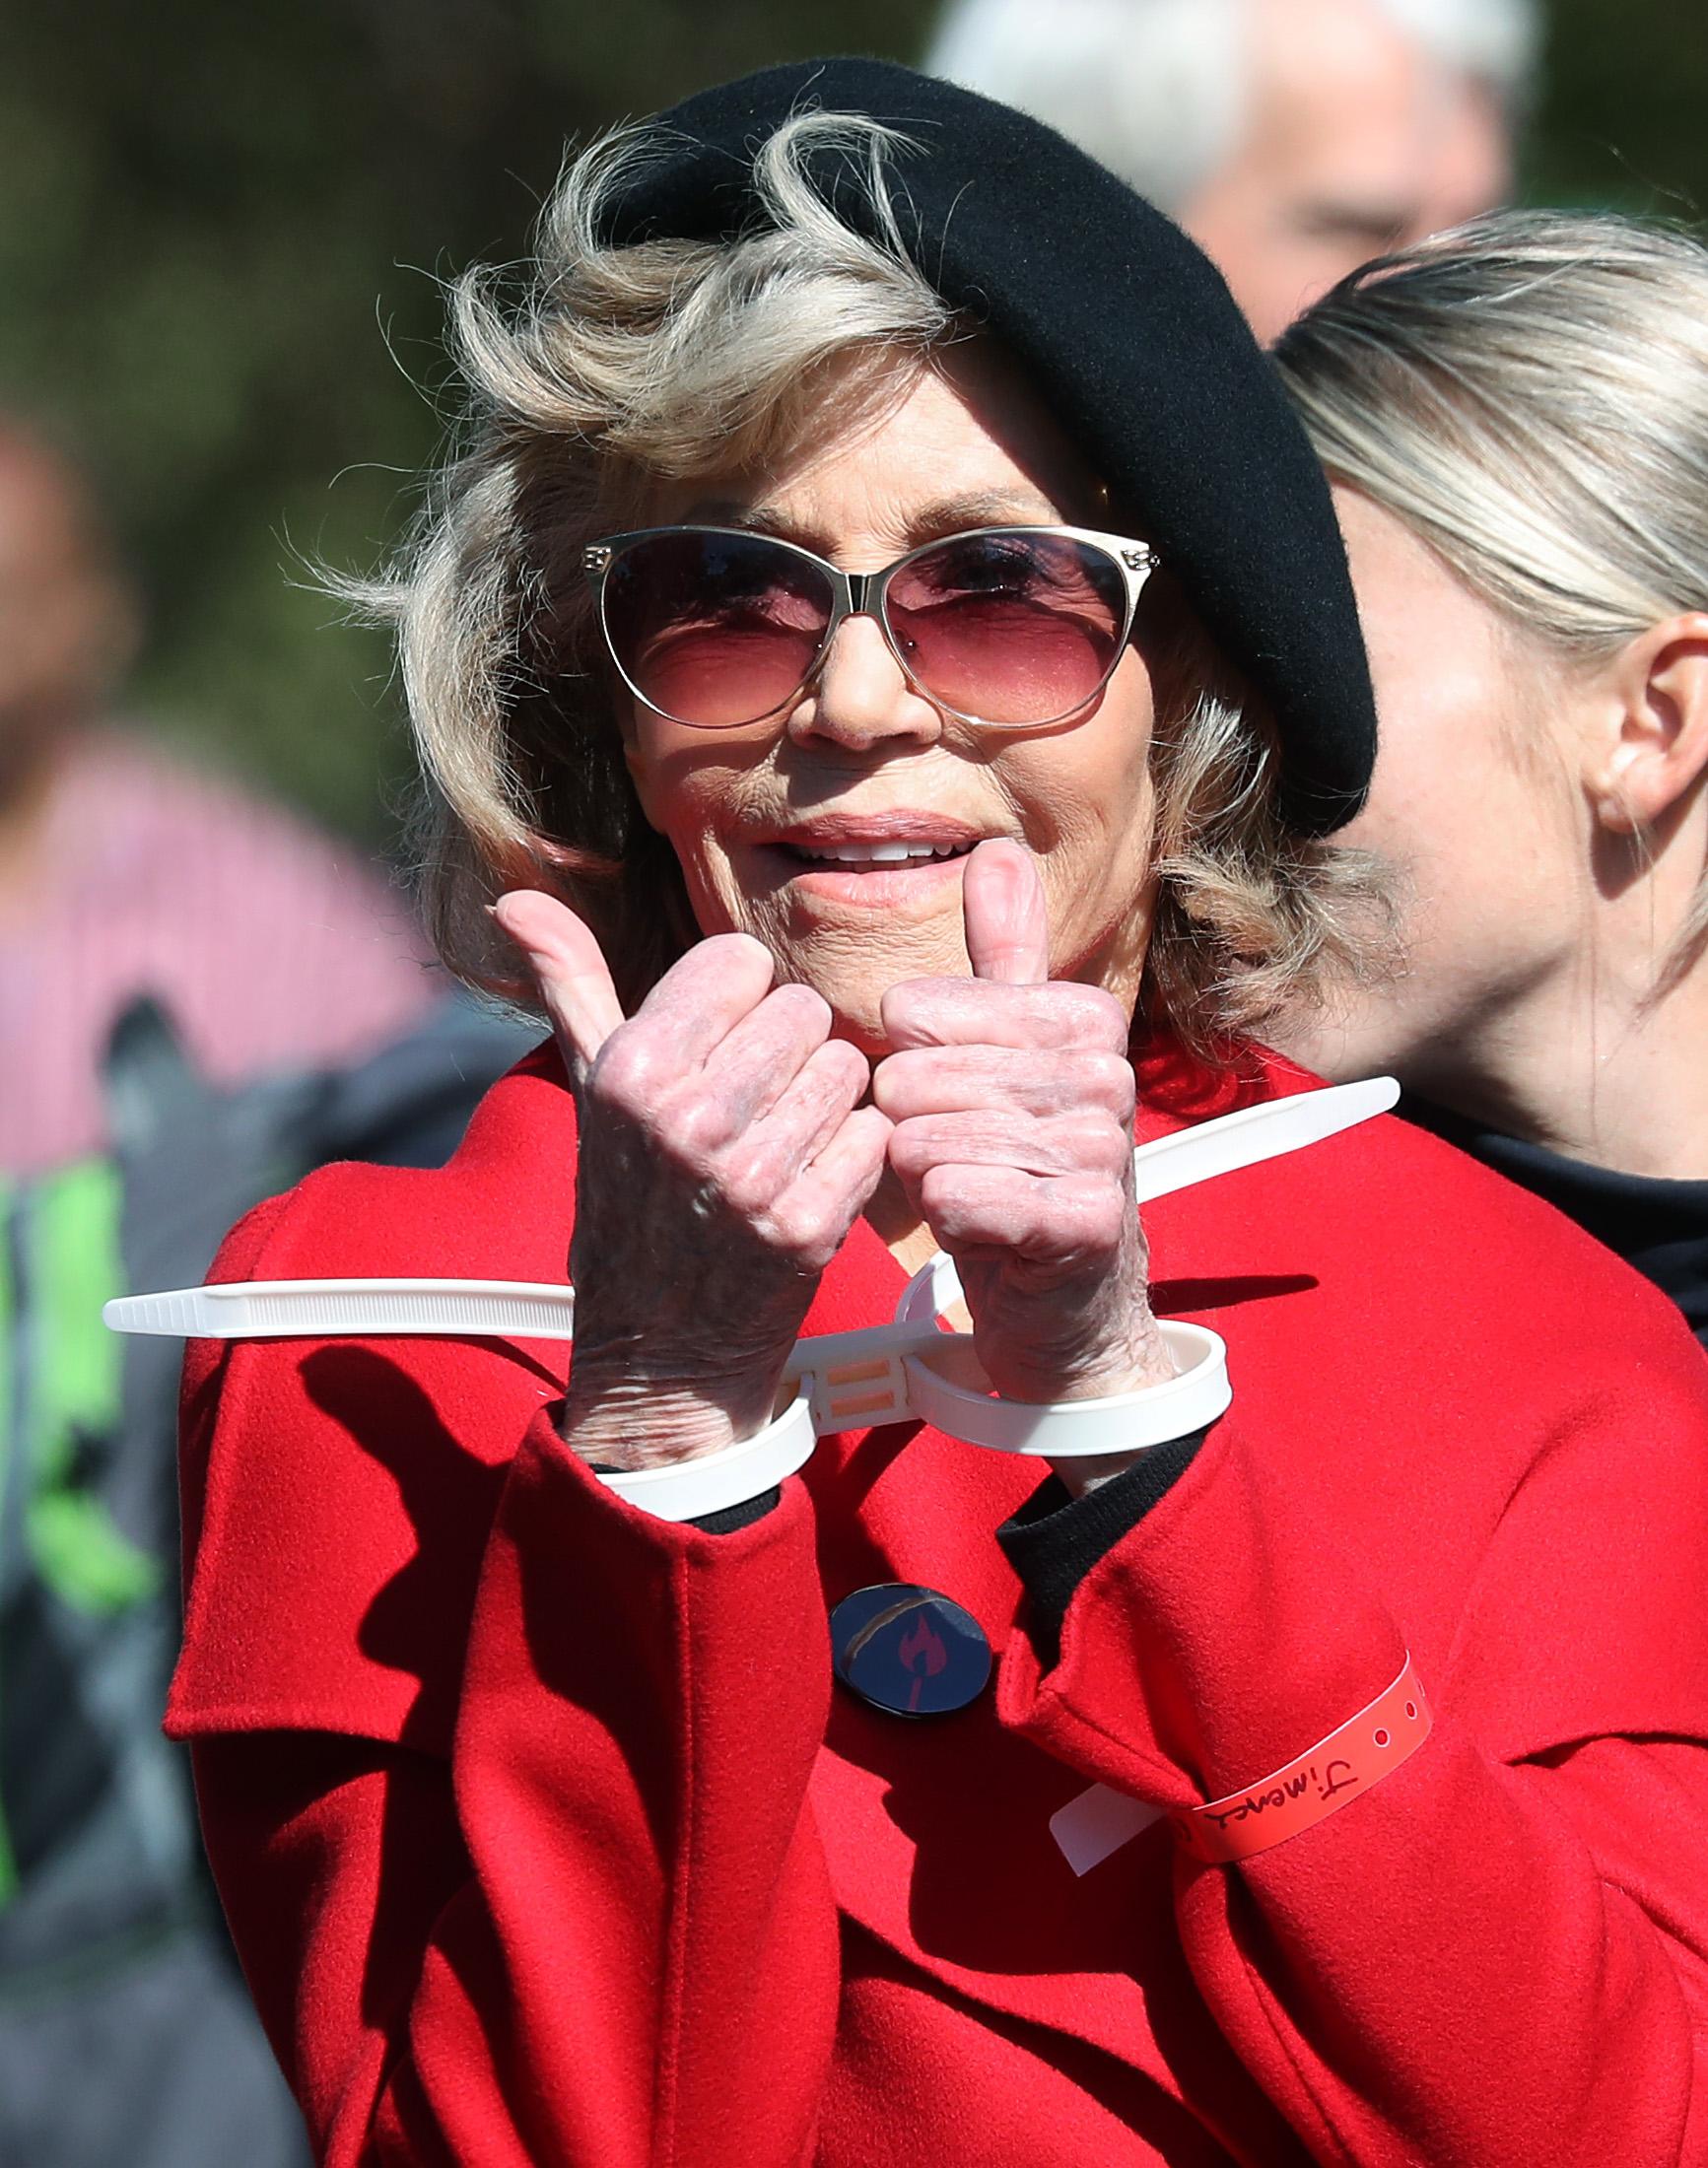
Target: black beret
1130, 335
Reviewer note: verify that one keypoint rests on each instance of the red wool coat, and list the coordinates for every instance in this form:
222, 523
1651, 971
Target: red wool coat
546, 1838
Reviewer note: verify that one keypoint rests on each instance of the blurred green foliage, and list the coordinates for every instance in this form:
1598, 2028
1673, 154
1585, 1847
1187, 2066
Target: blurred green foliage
1622, 119
222, 229
220, 232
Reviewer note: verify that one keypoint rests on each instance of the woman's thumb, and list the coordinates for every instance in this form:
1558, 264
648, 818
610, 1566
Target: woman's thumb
1007, 924
570, 969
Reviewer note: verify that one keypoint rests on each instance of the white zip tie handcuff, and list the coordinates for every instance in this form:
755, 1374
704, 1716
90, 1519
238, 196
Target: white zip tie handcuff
909, 1370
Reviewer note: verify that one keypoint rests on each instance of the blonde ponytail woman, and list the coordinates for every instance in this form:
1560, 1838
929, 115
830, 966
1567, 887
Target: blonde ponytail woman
1515, 418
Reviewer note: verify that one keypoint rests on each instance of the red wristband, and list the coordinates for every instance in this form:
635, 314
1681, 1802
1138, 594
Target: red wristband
1343, 1767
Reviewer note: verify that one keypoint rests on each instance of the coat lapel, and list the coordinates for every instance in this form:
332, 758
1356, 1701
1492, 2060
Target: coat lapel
938, 1833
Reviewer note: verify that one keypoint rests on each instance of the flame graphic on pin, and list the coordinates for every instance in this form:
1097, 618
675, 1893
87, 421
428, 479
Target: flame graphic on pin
923, 1651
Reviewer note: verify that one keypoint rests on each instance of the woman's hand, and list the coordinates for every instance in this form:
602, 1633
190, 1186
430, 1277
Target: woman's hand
723, 1156
1012, 1098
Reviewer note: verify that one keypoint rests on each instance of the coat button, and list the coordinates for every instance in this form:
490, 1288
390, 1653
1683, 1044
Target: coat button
909, 1650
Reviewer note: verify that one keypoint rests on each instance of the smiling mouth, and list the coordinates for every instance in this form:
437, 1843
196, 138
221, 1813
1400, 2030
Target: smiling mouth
852, 854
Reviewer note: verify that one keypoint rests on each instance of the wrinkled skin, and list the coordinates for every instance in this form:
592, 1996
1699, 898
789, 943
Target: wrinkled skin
1013, 1101
725, 1155
964, 444
918, 1063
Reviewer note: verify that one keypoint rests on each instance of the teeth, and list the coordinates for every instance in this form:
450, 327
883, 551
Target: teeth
884, 854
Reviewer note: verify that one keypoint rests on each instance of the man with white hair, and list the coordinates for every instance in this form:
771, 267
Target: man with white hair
1293, 139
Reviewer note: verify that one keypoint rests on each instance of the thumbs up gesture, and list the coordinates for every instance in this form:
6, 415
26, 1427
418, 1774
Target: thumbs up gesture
1012, 1099
722, 1156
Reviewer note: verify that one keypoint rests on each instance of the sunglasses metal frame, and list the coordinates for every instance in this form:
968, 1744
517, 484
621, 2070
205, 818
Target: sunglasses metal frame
865, 594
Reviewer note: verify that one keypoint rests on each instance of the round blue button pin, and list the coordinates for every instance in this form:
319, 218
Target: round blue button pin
909, 1650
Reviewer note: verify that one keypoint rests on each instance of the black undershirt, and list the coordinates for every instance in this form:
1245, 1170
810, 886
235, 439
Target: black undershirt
1659, 1228
1053, 1540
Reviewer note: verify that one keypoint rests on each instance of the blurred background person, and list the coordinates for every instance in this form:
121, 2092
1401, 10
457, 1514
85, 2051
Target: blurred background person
200, 1000
122, 872
1292, 139
1516, 421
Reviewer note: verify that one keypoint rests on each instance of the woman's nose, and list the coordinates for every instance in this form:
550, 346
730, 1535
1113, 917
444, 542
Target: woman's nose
862, 696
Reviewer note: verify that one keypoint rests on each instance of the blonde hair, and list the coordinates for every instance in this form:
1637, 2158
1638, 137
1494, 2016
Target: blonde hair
1528, 394
616, 364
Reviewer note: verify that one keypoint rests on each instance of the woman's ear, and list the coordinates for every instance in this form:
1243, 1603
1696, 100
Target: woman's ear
1650, 744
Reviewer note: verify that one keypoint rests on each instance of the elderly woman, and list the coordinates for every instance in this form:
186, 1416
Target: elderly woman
1553, 1008
877, 557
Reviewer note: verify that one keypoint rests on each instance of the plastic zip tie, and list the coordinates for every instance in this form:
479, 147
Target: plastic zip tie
859, 1379
686, 1490
1196, 1396
250, 1309
865, 1378
1244, 1138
